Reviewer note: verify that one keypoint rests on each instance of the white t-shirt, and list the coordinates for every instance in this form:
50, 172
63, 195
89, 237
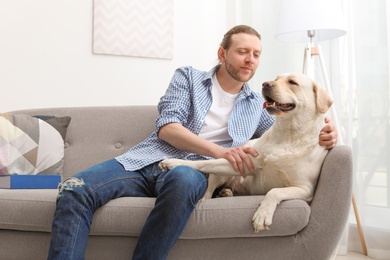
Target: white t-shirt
215, 127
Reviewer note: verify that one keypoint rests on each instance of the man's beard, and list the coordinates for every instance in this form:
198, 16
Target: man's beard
235, 73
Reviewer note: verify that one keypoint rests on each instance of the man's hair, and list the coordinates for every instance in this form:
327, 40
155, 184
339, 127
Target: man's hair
227, 38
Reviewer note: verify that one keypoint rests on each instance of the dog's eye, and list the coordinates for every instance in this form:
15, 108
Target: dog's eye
292, 82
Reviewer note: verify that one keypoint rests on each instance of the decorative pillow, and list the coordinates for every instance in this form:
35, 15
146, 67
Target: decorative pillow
29, 145
59, 123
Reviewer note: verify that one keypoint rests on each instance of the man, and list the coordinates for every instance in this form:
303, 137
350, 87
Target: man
203, 115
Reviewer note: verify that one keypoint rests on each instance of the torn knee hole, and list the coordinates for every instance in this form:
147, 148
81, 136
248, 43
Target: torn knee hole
70, 184
74, 180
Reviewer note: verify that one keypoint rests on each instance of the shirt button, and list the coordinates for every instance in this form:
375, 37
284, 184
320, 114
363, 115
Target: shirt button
118, 145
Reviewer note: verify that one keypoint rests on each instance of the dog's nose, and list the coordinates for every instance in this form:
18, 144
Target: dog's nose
268, 84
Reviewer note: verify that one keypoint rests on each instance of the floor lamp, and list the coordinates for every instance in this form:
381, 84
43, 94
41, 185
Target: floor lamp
313, 21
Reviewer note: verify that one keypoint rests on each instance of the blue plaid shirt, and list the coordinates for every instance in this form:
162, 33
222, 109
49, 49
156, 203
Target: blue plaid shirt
187, 101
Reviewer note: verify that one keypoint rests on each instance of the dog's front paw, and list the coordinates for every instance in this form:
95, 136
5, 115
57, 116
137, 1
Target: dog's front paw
262, 218
169, 164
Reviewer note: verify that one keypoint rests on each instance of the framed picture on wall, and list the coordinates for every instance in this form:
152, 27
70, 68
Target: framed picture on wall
133, 28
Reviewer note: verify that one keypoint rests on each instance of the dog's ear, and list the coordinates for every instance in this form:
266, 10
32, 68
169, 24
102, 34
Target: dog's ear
323, 100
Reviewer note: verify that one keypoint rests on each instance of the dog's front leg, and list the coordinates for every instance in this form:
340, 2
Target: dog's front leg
218, 166
262, 218
169, 164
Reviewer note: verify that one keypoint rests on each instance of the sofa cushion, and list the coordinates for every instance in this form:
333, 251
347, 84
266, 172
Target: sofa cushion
29, 145
214, 218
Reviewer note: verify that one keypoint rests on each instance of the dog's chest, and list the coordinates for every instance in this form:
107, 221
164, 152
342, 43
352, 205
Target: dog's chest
272, 155
279, 166
269, 173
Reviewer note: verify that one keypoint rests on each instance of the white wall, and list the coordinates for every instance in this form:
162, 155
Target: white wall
46, 57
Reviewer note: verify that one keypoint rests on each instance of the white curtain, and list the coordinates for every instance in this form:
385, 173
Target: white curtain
360, 79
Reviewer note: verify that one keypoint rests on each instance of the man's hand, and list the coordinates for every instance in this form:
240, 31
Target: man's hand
182, 139
328, 135
238, 157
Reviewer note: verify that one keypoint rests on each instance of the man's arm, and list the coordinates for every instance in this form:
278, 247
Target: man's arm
181, 138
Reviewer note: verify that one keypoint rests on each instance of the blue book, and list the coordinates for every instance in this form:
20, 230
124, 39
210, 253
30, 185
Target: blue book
43, 181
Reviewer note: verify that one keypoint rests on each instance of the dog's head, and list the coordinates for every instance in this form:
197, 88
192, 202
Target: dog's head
290, 93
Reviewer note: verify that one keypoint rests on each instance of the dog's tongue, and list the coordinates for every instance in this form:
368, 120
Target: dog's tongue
266, 104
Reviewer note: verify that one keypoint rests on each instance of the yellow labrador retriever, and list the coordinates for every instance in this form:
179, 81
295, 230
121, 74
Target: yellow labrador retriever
289, 155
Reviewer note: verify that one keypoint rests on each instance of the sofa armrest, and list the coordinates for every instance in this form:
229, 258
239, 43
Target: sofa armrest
331, 203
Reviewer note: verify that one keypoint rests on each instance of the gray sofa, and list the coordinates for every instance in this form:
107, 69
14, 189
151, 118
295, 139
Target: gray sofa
218, 228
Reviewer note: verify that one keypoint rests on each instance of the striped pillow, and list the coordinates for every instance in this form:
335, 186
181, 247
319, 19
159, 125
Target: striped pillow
29, 145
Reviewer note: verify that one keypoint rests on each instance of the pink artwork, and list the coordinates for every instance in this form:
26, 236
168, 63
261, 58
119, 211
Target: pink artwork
140, 28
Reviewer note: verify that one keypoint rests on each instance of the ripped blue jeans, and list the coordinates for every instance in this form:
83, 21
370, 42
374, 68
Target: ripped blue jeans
177, 191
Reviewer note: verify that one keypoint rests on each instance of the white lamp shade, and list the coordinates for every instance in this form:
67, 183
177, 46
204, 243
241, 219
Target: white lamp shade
297, 17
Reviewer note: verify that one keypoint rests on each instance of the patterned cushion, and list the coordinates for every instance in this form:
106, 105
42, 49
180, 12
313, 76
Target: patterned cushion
29, 145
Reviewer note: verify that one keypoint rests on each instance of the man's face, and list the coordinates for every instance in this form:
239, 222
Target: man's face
242, 58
